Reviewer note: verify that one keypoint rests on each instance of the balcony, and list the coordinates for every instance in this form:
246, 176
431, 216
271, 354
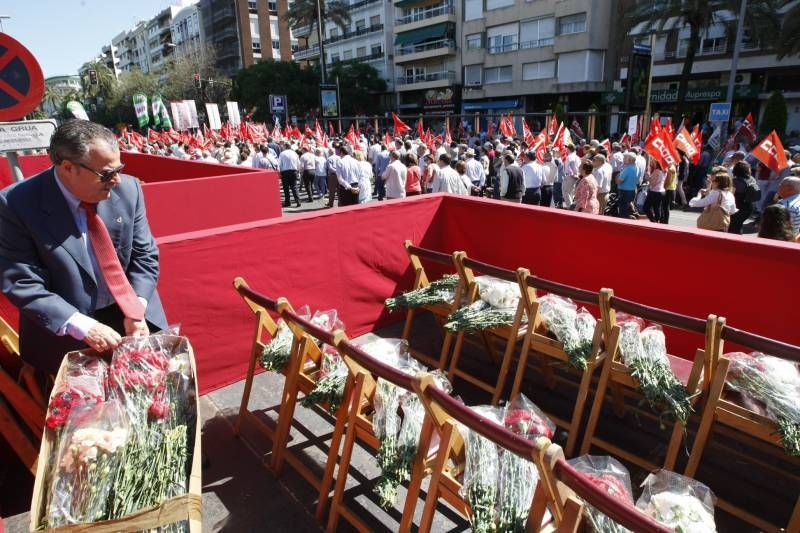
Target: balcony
441, 13
307, 53
226, 34
301, 31
429, 80
350, 34
222, 15
414, 52
512, 47
359, 59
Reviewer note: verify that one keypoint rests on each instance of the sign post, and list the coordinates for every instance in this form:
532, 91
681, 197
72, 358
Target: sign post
720, 112
279, 105
27, 135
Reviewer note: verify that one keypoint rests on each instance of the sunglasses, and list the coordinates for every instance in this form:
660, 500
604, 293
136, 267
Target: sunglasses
104, 175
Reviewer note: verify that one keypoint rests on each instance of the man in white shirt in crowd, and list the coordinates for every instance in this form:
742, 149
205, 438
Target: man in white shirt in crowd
289, 165
475, 171
320, 172
447, 179
570, 176
602, 174
533, 176
394, 177
308, 165
423, 162
331, 164
348, 171
261, 159
641, 164
208, 158
439, 149
374, 150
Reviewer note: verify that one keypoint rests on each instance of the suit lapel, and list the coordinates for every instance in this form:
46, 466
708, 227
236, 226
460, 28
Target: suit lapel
111, 216
61, 224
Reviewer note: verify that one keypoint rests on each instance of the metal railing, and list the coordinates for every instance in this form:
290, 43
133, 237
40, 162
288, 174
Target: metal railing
305, 53
370, 57
301, 30
424, 47
424, 78
222, 14
538, 43
502, 48
445, 9
356, 33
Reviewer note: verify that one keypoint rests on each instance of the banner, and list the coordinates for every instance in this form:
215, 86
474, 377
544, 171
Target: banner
155, 109
716, 138
660, 146
770, 151
140, 106
233, 113
77, 110
685, 142
166, 123
212, 110
184, 115
192, 109
176, 116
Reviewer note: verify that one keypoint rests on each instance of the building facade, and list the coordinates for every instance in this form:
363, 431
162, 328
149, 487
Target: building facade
59, 86
187, 32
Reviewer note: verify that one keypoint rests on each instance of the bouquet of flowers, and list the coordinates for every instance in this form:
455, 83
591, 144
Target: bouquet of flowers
572, 326
644, 352
437, 292
772, 386
678, 502
84, 384
496, 307
482, 474
277, 351
329, 388
612, 477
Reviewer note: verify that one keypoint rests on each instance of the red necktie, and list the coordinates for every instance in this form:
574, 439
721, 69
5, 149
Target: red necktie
107, 259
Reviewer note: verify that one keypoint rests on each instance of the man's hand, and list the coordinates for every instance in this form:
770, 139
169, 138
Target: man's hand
102, 338
135, 328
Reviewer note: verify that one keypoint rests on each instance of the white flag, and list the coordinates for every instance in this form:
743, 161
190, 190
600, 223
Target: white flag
632, 124
716, 138
212, 110
176, 116
233, 113
193, 122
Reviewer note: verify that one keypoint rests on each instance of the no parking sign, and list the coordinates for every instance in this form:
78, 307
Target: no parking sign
21, 80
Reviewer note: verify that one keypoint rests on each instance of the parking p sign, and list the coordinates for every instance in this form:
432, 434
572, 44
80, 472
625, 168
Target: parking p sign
277, 103
720, 112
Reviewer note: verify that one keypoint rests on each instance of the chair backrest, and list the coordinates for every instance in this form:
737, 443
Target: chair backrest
416, 254
261, 305
567, 291
758, 343
468, 266
571, 482
9, 338
376, 368
304, 345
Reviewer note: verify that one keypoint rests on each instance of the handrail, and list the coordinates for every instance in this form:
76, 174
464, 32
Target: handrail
376, 367
264, 301
623, 513
317, 332
661, 316
446, 9
491, 270
567, 291
762, 344
431, 255
424, 47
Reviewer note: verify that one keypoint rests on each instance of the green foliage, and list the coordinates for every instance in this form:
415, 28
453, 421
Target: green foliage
358, 83
304, 12
252, 85
789, 36
775, 115
120, 104
105, 80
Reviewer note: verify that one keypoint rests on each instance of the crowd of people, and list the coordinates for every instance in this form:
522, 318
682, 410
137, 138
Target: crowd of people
626, 182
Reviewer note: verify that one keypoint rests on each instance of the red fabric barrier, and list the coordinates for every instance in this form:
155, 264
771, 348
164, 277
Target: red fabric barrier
204, 203
155, 168
29, 164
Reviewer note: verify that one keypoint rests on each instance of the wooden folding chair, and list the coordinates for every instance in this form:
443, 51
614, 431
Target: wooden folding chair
363, 374
574, 490
723, 411
440, 311
550, 349
300, 377
510, 335
22, 403
446, 412
694, 375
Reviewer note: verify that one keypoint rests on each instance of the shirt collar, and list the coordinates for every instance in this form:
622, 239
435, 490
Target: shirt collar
793, 198
72, 201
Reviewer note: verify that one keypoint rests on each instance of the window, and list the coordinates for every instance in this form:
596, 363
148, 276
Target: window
472, 75
539, 71
587, 65
495, 4
252, 5
361, 51
361, 24
537, 33
375, 20
254, 31
256, 47
502, 38
415, 74
276, 44
497, 75
347, 55
473, 9
335, 58
376, 49
334, 32
572, 24
273, 7
474, 41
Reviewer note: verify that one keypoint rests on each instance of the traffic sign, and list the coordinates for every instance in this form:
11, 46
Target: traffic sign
21, 80
720, 112
26, 135
277, 103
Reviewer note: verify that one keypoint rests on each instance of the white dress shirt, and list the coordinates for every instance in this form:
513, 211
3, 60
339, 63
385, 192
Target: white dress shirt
448, 180
348, 172
533, 174
728, 201
288, 160
572, 164
308, 162
549, 173
394, 178
475, 172
602, 175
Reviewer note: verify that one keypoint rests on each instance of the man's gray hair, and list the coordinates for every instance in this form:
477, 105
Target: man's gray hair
71, 140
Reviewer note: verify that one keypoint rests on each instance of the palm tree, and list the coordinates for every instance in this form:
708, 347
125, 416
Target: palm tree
699, 16
53, 96
789, 40
313, 13
105, 79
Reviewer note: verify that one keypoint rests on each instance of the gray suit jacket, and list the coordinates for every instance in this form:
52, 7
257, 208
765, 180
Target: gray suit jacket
46, 271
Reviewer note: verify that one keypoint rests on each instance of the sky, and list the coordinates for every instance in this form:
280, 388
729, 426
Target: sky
64, 34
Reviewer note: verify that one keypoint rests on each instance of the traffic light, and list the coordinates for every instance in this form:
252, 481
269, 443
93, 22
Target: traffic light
92, 77
197, 83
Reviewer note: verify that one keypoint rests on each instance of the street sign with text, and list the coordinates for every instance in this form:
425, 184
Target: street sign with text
26, 135
720, 112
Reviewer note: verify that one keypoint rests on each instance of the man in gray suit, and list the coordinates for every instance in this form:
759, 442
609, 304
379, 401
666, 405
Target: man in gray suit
56, 269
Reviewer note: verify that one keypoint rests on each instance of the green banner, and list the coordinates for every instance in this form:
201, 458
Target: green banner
155, 109
140, 106
77, 110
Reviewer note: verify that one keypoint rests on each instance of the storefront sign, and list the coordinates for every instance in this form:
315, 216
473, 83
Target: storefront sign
441, 99
703, 94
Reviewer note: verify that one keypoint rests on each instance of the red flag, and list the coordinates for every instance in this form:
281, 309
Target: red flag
552, 128
490, 130
748, 129
429, 140
624, 139
660, 146
400, 127
152, 136
318, 133
577, 127
527, 136
770, 152
351, 137
607, 145
506, 126
561, 140
387, 140
307, 132
330, 129
540, 147
325, 141
686, 143
668, 128
655, 126
447, 139
697, 139
420, 128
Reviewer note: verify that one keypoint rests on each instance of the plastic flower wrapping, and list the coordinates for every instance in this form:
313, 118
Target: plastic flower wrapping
277, 351
572, 326
437, 292
124, 443
769, 386
496, 306
678, 502
644, 352
499, 485
613, 478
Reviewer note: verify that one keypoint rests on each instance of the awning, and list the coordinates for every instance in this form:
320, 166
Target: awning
437, 31
496, 104
409, 3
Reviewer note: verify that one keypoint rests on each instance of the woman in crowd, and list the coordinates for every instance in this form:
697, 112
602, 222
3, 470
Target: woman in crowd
719, 192
655, 191
431, 170
364, 178
776, 223
586, 190
745, 191
670, 186
413, 176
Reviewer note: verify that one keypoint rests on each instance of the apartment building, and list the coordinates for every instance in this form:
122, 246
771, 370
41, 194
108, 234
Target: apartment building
187, 32
529, 55
367, 38
159, 39
133, 50
759, 71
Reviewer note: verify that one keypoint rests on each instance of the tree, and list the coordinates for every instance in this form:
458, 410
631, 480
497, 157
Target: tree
698, 15
775, 115
179, 79
305, 13
252, 85
789, 39
105, 80
359, 84
120, 103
